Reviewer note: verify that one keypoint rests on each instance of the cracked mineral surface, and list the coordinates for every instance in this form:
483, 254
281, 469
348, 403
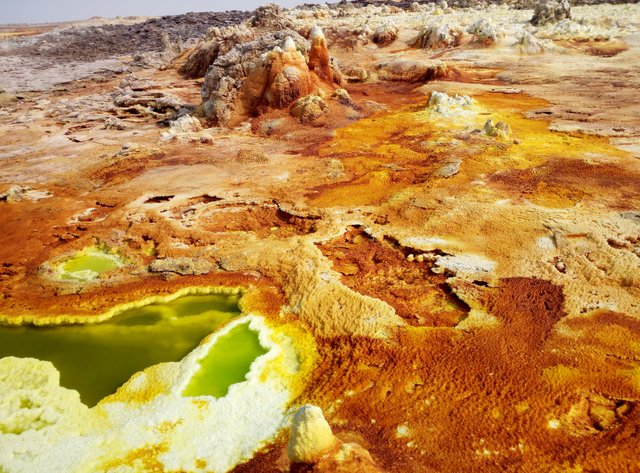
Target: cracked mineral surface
355, 237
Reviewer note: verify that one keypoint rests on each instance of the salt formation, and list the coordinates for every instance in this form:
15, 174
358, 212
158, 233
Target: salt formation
385, 34
443, 104
51, 430
308, 109
311, 435
31, 397
313, 445
319, 59
257, 75
486, 31
499, 129
438, 35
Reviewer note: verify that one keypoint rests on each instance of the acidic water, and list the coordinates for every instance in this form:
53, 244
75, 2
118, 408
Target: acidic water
88, 264
97, 359
227, 362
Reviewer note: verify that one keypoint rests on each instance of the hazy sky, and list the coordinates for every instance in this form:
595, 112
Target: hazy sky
42, 11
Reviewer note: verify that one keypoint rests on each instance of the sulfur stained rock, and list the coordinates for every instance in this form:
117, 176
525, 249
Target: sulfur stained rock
499, 130
311, 435
342, 96
593, 413
309, 109
224, 81
313, 447
385, 34
270, 72
319, 58
18, 193
551, 11
282, 77
443, 104
400, 70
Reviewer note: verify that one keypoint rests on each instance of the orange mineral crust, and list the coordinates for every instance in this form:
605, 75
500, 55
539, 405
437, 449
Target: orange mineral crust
511, 397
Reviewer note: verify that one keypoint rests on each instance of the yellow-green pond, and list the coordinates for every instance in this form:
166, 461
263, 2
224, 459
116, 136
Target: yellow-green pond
96, 359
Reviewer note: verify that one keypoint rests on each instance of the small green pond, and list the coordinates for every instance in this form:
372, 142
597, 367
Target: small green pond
227, 362
88, 264
97, 359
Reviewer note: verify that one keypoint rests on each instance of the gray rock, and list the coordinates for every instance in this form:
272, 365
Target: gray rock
113, 123
227, 74
182, 265
551, 11
270, 16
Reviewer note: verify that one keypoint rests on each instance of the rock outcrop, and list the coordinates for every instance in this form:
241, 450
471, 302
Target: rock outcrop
385, 34
270, 16
313, 447
443, 104
220, 41
499, 130
226, 77
309, 109
139, 97
200, 59
438, 36
486, 31
182, 265
551, 11
18, 193
411, 71
281, 78
272, 71
319, 58
185, 127
529, 44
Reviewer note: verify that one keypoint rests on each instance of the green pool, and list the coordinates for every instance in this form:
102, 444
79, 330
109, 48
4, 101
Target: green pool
88, 264
97, 359
227, 362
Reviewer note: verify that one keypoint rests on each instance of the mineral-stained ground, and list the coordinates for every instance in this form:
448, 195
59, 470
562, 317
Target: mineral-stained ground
424, 220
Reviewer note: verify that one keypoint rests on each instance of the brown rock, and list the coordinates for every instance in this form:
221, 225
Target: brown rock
385, 34
551, 11
199, 61
319, 59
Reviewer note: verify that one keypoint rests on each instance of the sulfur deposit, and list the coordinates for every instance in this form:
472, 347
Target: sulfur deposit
354, 237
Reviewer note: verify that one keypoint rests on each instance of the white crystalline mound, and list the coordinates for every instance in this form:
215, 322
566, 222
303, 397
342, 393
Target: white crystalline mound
443, 104
45, 428
310, 435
